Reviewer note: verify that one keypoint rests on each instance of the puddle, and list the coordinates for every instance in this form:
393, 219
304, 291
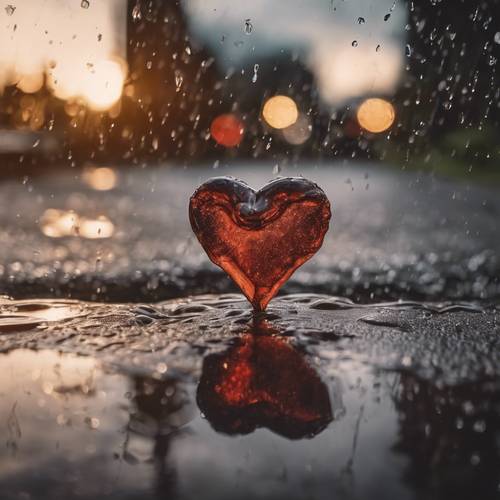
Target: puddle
196, 398
263, 418
22, 315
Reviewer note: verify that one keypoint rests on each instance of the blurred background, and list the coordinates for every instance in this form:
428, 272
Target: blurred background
149, 81
112, 112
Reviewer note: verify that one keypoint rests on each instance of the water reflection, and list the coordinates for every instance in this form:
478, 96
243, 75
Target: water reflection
73, 429
162, 408
451, 435
263, 381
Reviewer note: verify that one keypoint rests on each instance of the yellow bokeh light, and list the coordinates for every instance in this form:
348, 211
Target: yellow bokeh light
60, 223
30, 83
376, 115
95, 229
280, 112
103, 84
100, 179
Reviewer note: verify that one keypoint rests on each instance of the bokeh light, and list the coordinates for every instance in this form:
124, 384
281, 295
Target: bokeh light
102, 85
376, 115
77, 51
56, 223
299, 132
280, 112
227, 130
100, 179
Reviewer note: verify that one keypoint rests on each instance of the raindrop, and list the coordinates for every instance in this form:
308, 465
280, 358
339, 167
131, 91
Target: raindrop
85, 4
276, 169
10, 9
361, 20
377, 49
408, 50
255, 71
497, 37
386, 17
248, 26
136, 12
178, 81
354, 43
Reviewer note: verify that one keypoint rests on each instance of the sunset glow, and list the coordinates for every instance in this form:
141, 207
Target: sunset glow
78, 50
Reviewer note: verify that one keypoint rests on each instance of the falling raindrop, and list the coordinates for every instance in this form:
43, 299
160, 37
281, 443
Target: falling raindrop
248, 26
85, 4
178, 81
408, 50
386, 17
377, 48
255, 71
497, 37
361, 20
136, 12
10, 9
354, 43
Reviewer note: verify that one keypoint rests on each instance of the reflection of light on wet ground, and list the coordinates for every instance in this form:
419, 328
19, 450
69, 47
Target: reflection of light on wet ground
100, 179
280, 112
81, 427
23, 315
376, 115
60, 223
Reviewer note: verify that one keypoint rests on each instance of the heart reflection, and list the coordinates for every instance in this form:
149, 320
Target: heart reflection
263, 381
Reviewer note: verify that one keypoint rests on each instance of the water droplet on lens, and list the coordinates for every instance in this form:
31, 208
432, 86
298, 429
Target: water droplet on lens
255, 71
248, 26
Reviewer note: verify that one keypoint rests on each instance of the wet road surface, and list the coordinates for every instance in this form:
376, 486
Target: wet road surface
318, 397
383, 384
394, 235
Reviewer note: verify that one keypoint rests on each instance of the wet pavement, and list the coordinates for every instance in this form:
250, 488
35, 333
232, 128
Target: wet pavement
384, 383
394, 235
319, 397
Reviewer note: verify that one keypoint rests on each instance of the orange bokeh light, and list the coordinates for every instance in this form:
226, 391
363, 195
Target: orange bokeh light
227, 130
376, 115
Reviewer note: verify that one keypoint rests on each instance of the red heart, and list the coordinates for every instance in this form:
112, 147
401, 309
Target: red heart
263, 381
260, 238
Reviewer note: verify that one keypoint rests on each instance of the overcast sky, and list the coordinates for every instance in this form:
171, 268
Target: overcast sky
321, 31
